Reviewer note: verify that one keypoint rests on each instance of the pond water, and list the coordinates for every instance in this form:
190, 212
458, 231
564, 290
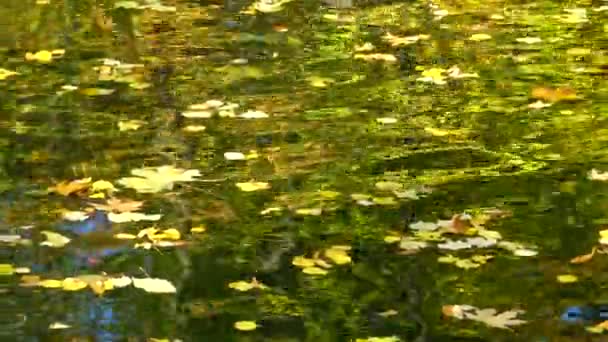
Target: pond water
303, 171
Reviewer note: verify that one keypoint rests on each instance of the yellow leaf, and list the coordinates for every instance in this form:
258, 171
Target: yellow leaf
567, 278
102, 185
338, 256
309, 211
73, 284
42, 56
6, 73
253, 186
96, 91
100, 286
480, 36
132, 216
245, 325
197, 230
385, 57
124, 236
129, 125
437, 132
314, 271
51, 283
392, 239
302, 261
155, 179
6, 269
322, 263
241, 285
194, 128
171, 234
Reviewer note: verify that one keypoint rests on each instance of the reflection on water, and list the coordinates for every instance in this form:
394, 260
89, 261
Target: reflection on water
363, 118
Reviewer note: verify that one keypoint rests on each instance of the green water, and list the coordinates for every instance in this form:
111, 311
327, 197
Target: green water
340, 119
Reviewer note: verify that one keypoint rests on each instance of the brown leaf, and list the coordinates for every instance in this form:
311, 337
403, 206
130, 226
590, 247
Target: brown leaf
581, 259
118, 205
460, 224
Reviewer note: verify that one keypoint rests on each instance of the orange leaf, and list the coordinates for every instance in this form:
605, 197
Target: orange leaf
67, 188
554, 94
581, 259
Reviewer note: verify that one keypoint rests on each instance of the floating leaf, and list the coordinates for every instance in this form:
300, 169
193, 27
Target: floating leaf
384, 57
51, 283
246, 286
386, 121
424, 226
245, 325
59, 325
4, 74
253, 186
253, 114
154, 285
6, 269
234, 156
75, 215
379, 339
479, 37
529, 40
338, 255
124, 236
198, 230
384, 200
156, 179
554, 94
120, 281
118, 205
581, 259
503, 320
42, 56
302, 261
309, 211
194, 128
399, 41
132, 216
597, 175
96, 91
314, 271
567, 278
410, 245
389, 186
72, 187
130, 125
73, 284
197, 114
599, 328
54, 240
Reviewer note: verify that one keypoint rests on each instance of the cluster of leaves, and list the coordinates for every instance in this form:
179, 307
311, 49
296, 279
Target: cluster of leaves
99, 283
461, 224
317, 265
